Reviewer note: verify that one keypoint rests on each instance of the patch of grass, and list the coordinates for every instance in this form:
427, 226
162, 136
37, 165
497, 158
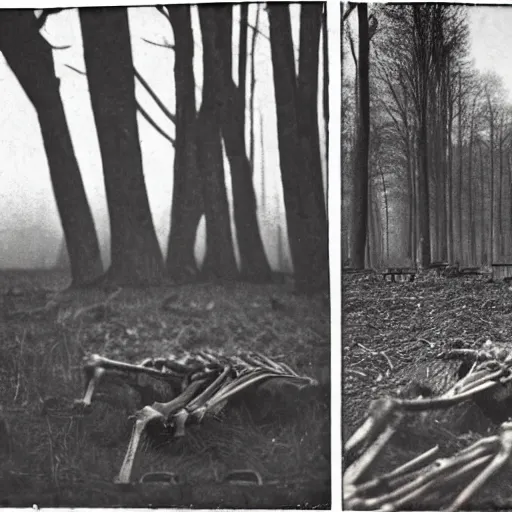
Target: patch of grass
60, 459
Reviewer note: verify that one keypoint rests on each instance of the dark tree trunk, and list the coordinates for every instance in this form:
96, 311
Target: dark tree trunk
30, 57
483, 246
310, 28
230, 113
422, 55
450, 216
386, 211
492, 252
443, 134
423, 195
220, 262
135, 254
360, 197
472, 223
499, 241
187, 198
242, 58
311, 271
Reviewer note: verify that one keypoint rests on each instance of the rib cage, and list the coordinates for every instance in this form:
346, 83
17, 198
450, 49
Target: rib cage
190, 387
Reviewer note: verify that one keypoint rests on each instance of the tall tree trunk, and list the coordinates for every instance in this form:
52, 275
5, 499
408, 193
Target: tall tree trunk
220, 262
187, 198
422, 56
491, 149
253, 85
410, 195
135, 254
301, 213
483, 242
450, 215
30, 57
360, 197
499, 241
459, 129
386, 210
423, 193
325, 95
307, 89
242, 57
472, 223
445, 127
509, 169
231, 117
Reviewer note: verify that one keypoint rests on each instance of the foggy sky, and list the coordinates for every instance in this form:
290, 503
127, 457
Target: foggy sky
30, 231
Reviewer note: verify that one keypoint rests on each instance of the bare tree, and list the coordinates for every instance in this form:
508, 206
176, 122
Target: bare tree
135, 254
220, 259
187, 199
360, 198
30, 57
230, 113
302, 205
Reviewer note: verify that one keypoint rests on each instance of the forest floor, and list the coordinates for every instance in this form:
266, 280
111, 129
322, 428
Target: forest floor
52, 459
392, 333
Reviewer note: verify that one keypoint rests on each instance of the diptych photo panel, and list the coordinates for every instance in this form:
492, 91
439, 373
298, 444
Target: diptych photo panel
426, 244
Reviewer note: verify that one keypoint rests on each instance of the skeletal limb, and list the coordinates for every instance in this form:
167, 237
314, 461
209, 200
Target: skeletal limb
94, 378
97, 365
160, 411
143, 417
426, 478
382, 410
422, 477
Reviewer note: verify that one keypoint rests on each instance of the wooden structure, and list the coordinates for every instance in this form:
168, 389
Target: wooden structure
472, 271
402, 273
439, 266
501, 271
352, 270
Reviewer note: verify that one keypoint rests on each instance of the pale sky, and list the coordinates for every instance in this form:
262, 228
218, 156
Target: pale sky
26, 197
491, 41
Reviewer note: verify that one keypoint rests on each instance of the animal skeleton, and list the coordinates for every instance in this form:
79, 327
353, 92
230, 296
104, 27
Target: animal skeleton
186, 388
489, 383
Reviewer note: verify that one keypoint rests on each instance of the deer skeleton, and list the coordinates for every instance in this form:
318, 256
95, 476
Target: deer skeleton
427, 476
202, 383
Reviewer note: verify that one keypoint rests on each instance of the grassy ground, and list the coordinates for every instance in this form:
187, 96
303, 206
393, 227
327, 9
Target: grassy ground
57, 459
392, 333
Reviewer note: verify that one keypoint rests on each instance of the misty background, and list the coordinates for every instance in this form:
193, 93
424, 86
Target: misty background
30, 232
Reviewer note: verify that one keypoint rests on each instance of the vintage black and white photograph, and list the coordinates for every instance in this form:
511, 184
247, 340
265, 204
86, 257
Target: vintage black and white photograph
164, 256
427, 256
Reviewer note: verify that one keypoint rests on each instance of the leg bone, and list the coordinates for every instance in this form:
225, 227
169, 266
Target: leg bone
143, 417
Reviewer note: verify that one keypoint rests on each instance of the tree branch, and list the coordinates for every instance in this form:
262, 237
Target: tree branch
161, 10
143, 112
350, 8
150, 120
258, 31
83, 73
161, 45
44, 16
157, 100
